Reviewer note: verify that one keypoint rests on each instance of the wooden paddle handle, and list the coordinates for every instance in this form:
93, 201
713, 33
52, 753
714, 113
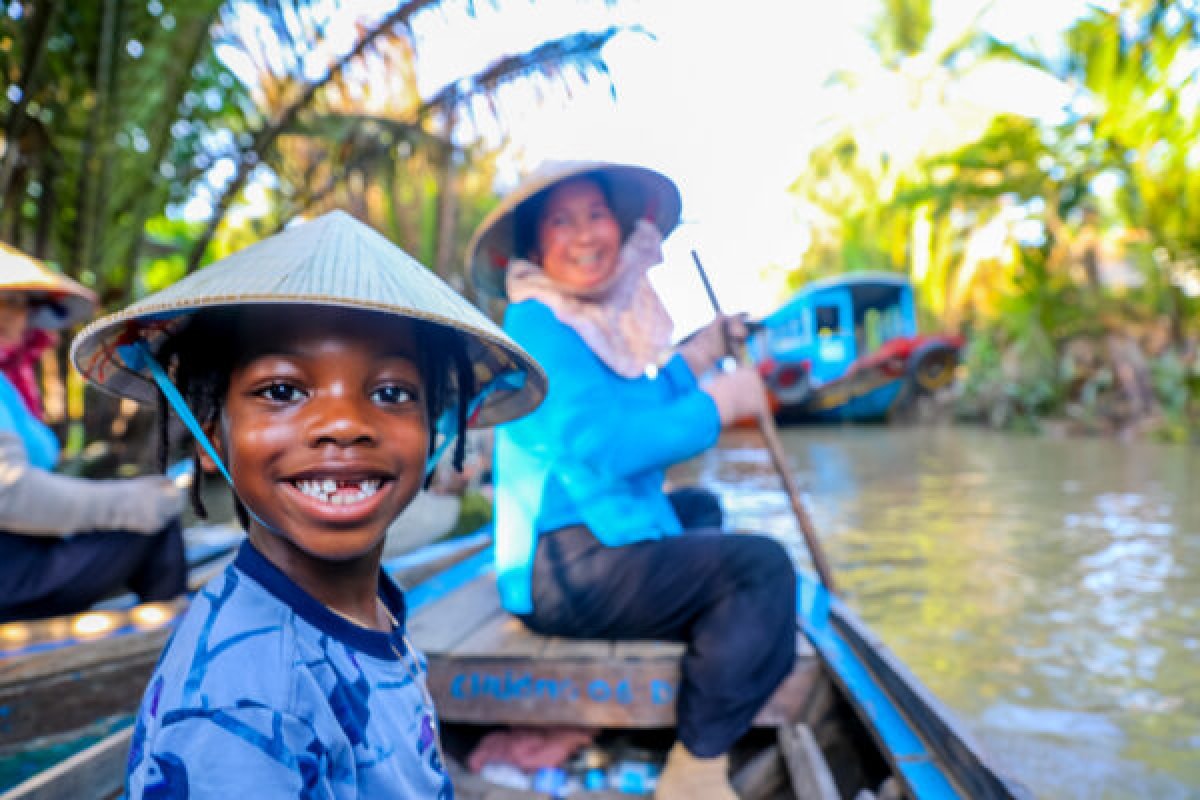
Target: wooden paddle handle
770, 435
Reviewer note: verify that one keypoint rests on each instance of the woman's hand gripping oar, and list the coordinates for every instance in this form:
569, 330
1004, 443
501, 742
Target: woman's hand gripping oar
766, 426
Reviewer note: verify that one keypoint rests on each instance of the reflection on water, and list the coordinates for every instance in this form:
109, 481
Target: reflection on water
1048, 591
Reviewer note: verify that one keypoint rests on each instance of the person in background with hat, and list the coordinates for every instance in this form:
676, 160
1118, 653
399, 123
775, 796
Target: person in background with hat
316, 370
67, 542
588, 542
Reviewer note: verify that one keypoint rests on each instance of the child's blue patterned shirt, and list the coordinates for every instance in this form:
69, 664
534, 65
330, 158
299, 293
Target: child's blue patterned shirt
265, 693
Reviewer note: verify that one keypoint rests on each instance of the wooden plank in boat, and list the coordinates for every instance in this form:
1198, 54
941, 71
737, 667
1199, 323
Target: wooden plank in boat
554, 691
438, 626
97, 772
810, 774
787, 704
46, 692
486, 667
648, 650
605, 692
502, 635
419, 565
68, 699
760, 777
561, 647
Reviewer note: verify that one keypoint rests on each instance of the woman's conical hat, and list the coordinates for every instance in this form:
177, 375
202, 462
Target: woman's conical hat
636, 193
333, 261
63, 301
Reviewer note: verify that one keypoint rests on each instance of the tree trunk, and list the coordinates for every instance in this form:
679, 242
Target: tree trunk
447, 207
34, 56
177, 85
89, 184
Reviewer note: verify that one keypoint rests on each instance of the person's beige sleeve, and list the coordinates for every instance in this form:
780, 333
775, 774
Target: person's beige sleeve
35, 502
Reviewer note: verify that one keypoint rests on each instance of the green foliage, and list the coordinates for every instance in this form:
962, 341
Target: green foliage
1176, 381
114, 110
473, 514
1006, 233
119, 118
901, 28
1011, 378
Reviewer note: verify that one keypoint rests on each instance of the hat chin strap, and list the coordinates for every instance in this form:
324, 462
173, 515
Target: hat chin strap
137, 357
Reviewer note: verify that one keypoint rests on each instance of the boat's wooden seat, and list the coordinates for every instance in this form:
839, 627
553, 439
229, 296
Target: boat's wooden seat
485, 666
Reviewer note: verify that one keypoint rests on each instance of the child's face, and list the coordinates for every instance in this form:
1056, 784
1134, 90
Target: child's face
324, 429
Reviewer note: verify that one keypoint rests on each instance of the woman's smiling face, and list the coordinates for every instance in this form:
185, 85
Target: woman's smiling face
579, 238
324, 429
14, 318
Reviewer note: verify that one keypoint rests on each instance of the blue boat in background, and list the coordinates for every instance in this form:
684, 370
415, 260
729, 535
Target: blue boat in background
847, 349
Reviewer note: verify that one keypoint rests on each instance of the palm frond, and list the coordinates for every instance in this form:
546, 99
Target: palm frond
575, 56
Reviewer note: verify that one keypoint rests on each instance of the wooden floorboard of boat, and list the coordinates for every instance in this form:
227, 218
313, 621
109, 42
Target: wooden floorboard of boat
762, 777
63, 690
502, 635
443, 623
96, 773
649, 650
486, 667
807, 768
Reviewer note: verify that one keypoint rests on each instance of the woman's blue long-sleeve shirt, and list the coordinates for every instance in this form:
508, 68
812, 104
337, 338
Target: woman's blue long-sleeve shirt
594, 453
40, 443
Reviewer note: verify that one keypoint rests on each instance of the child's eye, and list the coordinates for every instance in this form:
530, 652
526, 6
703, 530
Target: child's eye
279, 392
392, 394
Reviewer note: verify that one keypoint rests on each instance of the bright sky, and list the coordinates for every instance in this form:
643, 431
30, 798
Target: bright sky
726, 100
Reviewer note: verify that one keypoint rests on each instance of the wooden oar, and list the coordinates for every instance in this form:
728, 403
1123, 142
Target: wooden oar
766, 426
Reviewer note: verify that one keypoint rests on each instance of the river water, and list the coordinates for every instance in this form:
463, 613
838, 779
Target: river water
1048, 591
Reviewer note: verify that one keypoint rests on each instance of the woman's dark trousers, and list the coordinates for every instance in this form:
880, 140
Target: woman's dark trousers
729, 597
44, 576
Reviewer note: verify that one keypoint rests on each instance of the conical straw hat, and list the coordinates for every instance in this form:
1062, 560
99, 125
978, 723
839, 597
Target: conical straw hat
65, 301
334, 260
636, 192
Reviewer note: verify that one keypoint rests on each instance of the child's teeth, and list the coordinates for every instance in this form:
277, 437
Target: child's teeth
310, 488
327, 490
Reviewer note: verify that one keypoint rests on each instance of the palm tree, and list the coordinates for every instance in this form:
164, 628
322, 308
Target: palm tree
1132, 128
381, 67
111, 106
115, 109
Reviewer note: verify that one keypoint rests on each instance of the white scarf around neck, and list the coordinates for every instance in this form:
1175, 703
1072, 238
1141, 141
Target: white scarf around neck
627, 327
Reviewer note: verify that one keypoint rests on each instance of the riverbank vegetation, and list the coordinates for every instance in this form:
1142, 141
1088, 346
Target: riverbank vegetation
141, 139
1066, 245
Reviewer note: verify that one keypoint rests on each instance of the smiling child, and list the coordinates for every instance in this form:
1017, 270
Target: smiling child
317, 370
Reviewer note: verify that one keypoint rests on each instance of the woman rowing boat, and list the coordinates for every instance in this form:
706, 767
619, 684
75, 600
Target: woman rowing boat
588, 542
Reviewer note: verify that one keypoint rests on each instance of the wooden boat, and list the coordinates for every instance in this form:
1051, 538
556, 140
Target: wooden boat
60, 675
847, 349
850, 722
